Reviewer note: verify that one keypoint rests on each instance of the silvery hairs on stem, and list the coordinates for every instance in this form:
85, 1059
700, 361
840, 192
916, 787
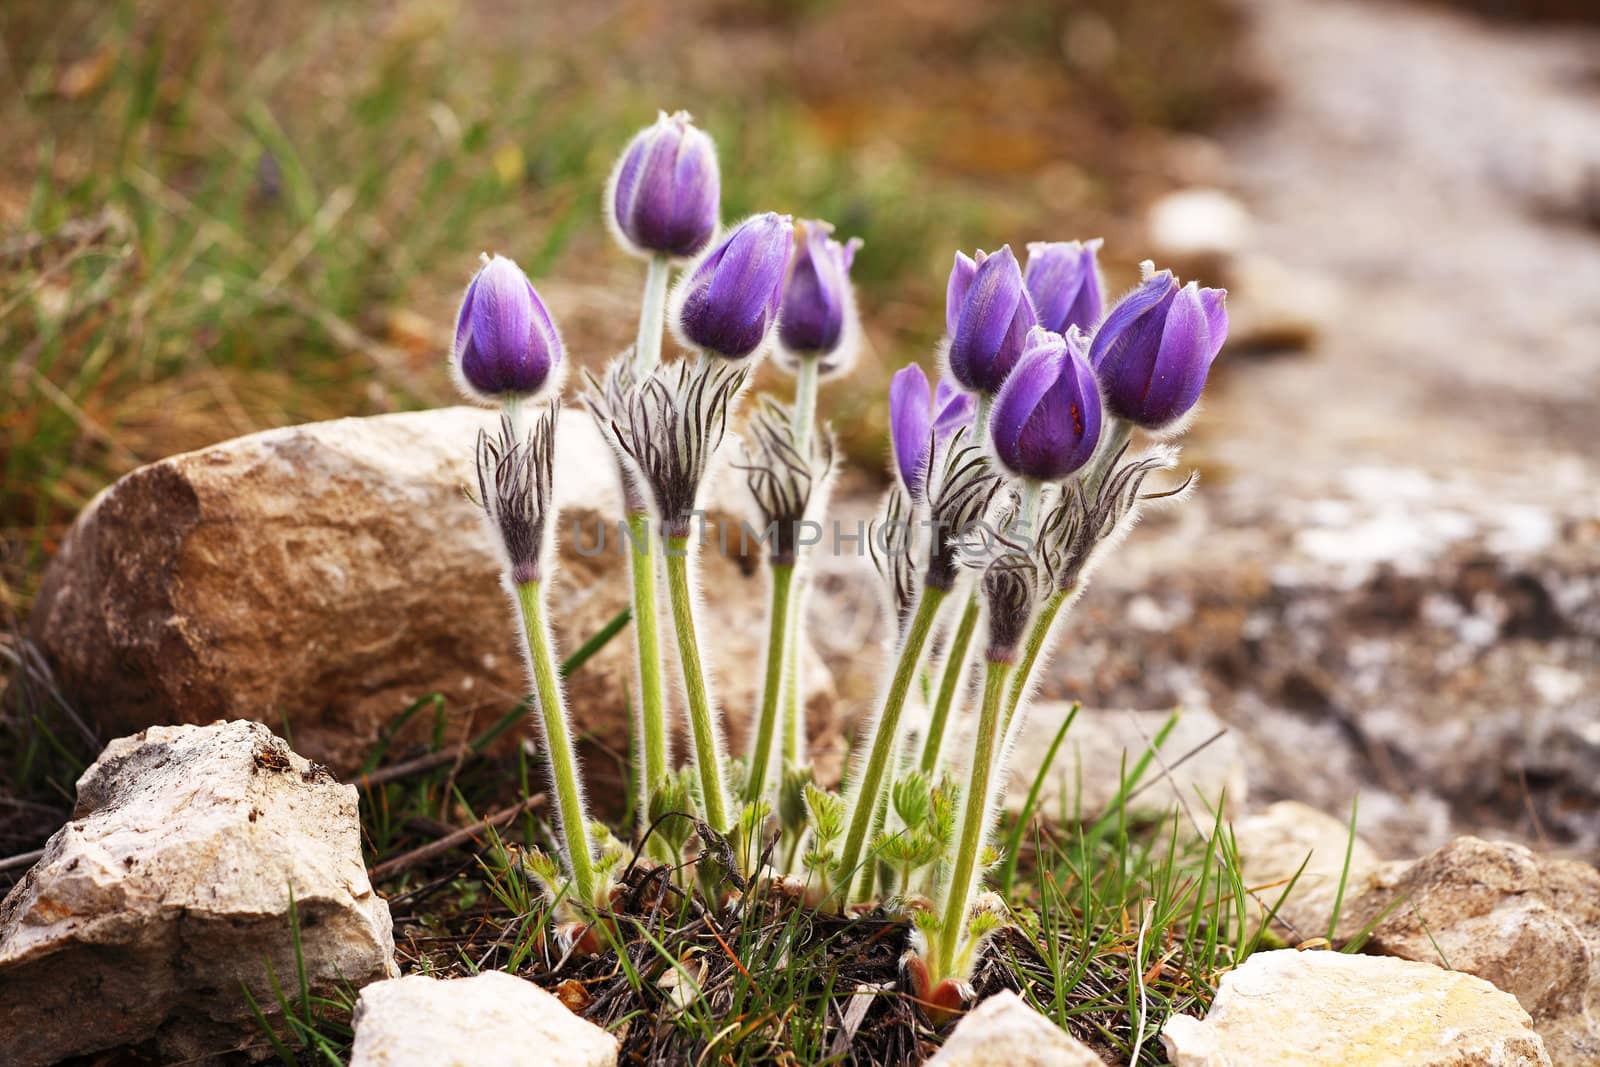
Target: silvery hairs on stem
959, 498
607, 400
1079, 526
783, 482
891, 545
1011, 585
514, 489
670, 424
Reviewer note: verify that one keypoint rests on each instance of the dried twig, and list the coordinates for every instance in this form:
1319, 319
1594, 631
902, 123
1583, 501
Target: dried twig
21, 859
402, 863
427, 762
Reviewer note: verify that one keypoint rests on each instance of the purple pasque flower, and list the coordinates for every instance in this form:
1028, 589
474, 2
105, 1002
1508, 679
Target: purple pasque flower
727, 302
506, 344
666, 191
1046, 420
921, 424
1155, 348
1063, 278
988, 313
817, 301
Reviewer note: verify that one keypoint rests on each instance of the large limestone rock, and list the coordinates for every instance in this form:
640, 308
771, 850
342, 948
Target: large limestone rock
169, 893
1528, 923
1327, 1009
489, 1020
1292, 841
328, 575
1103, 744
1004, 1031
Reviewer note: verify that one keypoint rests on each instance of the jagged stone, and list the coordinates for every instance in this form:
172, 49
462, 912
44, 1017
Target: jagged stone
168, 895
1528, 923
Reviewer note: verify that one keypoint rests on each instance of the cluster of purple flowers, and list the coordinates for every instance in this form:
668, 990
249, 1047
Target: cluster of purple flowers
1033, 351
1029, 430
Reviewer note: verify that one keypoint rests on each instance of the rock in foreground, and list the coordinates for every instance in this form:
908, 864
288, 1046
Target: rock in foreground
1004, 1031
1528, 923
1327, 1009
489, 1020
334, 573
169, 892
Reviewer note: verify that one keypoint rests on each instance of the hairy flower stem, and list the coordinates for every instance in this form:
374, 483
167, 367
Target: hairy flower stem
652, 311
974, 818
647, 649
955, 670
980, 419
869, 870
805, 403
708, 755
1038, 638
805, 419
864, 792
641, 563
793, 717
760, 782
557, 741
1116, 434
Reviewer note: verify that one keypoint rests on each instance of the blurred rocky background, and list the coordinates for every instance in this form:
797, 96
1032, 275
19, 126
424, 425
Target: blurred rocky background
224, 218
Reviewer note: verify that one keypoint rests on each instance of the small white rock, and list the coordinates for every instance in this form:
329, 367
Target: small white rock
1199, 222
1004, 1031
489, 1020
1327, 1009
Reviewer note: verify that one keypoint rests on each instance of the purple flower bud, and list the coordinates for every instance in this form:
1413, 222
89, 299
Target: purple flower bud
1046, 420
1155, 348
817, 300
505, 344
921, 424
666, 191
728, 301
989, 314
1063, 277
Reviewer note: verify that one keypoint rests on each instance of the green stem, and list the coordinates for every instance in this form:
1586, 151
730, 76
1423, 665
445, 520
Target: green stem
805, 419
1112, 438
647, 649
868, 882
980, 420
1038, 637
708, 756
805, 403
973, 819
759, 784
865, 789
557, 741
1028, 512
955, 669
652, 312
794, 720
